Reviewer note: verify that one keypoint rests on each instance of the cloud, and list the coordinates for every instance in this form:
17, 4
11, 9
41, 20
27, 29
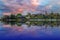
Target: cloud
19, 5
16, 6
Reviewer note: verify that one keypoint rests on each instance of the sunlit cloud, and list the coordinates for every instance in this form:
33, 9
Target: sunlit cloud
35, 2
19, 6
6, 13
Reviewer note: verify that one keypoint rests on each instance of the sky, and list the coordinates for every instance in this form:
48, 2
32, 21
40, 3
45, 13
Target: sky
20, 6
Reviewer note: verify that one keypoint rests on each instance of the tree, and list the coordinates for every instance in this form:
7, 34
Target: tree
12, 16
5, 18
18, 15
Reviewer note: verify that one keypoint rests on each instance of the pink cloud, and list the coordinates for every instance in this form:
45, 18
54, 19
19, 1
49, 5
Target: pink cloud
18, 8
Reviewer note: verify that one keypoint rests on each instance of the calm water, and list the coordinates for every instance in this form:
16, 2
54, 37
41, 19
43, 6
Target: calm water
24, 32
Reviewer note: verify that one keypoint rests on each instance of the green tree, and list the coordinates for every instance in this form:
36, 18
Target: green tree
18, 15
12, 16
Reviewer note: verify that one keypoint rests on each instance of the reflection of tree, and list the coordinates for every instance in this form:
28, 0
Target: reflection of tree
20, 19
10, 22
58, 16
18, 23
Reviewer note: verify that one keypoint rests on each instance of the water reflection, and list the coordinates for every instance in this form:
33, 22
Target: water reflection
34, 23
21, 30
30, 29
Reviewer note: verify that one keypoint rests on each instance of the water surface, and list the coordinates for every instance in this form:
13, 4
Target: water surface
24, 32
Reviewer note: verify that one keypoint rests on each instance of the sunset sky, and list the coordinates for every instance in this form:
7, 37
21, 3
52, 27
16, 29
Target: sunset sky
25, 31
19, 6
